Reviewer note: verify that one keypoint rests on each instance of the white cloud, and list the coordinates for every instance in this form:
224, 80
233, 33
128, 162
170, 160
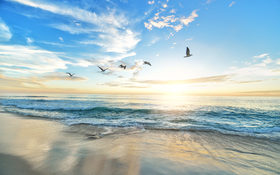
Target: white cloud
100, 60
59, 76
178, 27
137, 67
189, 19
151, 2
170, 35
258, 69
113, 40
278, 61
172, 21
267, 61
208, 79
110, 27
29, 40
261, 55
172, 11
61, 39
209, 1
74, 12
153, 41
5, 33
73, 29
164, 5
231, 4
30, 59
55, 44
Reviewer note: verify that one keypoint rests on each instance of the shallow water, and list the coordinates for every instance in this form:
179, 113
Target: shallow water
246, 116
31, 146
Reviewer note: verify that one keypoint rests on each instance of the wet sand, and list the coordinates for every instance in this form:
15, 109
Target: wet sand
34, 146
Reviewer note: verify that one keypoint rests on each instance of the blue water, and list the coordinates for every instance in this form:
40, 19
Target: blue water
248, 116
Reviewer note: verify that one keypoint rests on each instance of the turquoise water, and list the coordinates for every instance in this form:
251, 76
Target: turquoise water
249, 116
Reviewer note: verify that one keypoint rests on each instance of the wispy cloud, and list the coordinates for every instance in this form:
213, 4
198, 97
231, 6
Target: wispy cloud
172, 11
261, 55
257, 69
5, 33
137, 67
209, 79
38, 81
231, 4
151, 2
30, 59
33, 83
153, 41
262, 93
29, 40
189, 19
74, 12
278, 61
249, 81
209, 1
9, 82
171, 21
136, 83
61, 39
110, 60
59, 76
108, 30
123, 85
55, 44
73, 29
117, 41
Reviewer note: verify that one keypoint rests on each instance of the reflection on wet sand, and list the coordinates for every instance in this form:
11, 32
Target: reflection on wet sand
46, 147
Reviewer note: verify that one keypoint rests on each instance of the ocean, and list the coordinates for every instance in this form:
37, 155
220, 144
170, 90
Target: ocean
244, 116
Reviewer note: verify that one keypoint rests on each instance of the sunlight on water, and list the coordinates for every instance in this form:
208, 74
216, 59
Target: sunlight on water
255, 116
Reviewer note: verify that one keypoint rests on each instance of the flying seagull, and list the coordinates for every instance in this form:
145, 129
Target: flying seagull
70, 75
148, 63
122, 66
102, 70
188, 54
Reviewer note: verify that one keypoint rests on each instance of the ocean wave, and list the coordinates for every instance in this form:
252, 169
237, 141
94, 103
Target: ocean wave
272, 134
224, 118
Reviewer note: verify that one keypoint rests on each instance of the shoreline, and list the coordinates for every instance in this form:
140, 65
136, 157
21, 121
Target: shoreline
48, 147
124, 130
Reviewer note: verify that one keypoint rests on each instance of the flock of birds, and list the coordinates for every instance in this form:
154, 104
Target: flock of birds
123, 66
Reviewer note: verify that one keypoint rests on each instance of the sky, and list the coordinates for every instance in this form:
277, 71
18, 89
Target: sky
235, 46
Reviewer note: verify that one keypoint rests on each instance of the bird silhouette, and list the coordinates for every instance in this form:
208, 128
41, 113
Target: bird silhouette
188, 53
122, 66
70, 75
148, 63
102, 70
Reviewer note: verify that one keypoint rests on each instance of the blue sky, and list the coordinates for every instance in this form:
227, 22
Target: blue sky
235, 46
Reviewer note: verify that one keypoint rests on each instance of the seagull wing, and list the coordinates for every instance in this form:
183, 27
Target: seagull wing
188, 51
100, 68
148, 63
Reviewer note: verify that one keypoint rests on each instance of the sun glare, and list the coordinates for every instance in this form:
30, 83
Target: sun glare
174, 89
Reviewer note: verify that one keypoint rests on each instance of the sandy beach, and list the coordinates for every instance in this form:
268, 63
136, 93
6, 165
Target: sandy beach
36, 146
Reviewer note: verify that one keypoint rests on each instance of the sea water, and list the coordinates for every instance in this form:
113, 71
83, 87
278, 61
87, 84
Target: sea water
248, 116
